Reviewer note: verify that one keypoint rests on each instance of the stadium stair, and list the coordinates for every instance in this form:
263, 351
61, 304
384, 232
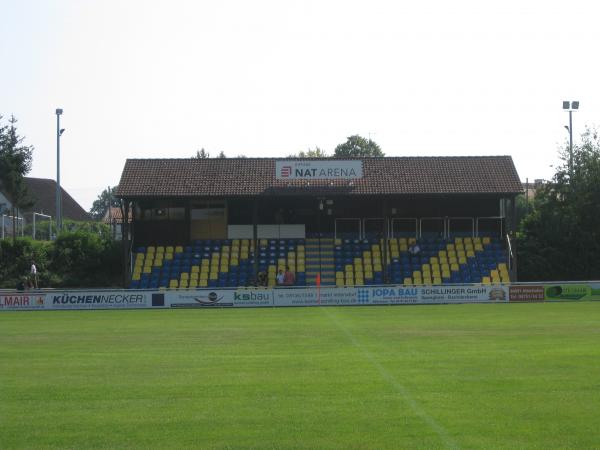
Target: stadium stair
327, 261
313, 261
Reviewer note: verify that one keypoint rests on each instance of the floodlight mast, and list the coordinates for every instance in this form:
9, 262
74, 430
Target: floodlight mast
59, 132
570, 106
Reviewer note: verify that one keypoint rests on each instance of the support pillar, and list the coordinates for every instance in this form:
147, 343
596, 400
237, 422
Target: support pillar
125, 243
384, 264
513, 238
255, 236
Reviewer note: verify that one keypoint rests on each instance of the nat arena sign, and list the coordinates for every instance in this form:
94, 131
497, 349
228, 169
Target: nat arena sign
318, 170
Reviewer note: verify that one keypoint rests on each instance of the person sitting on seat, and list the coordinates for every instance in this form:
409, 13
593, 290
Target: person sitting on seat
414, 250
262, 279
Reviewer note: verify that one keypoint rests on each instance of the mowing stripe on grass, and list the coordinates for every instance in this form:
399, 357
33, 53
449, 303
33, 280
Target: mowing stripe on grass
399, 387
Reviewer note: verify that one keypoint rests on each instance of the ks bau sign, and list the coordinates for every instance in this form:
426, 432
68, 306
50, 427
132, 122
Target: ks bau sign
318, 170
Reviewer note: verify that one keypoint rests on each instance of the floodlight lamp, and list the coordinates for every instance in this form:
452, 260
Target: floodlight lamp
62, 130
566, 105
59, 111
575, 105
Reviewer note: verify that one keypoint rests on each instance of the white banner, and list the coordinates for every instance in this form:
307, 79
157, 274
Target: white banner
98, 300
393, 295
326, 296
315, 297
326, 169
22, 301
219, 298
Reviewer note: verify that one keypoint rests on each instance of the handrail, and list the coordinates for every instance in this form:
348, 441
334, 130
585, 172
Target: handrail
510, 252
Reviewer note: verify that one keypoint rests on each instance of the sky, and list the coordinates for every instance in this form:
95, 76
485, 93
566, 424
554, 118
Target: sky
162, 79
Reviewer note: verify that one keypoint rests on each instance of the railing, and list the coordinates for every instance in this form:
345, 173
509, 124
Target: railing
510, 252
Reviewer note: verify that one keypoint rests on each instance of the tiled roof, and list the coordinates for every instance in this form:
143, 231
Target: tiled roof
42, 192
256, 176
115, 216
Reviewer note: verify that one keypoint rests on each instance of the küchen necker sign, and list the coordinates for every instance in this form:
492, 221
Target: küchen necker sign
318, 170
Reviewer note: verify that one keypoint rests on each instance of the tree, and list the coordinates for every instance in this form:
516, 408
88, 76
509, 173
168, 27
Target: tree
310, 153
15, 163
100, 205
201, 154
357, 146
560, 238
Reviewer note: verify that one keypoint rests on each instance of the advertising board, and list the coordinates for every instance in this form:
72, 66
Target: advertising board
572, 291
526, 293
122, 299
206, 298
309, 296
315, 297
318, 170
16, 301
396, 295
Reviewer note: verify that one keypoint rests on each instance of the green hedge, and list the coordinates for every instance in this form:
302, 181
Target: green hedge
76, 259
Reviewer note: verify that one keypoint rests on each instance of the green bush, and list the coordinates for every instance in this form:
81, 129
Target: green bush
15, 260
76, 259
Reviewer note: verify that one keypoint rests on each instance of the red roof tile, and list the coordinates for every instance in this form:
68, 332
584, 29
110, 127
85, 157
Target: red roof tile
256, 176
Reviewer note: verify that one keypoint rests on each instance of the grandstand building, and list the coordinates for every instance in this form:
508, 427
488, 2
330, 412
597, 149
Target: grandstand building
219, 222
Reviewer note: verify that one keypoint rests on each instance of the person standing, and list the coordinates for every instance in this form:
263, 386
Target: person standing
288, 277
34, 277
280, 278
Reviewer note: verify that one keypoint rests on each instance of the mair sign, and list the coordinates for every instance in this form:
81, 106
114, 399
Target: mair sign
318, 170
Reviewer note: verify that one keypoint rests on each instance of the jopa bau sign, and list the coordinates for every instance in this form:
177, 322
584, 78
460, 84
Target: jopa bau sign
318, 170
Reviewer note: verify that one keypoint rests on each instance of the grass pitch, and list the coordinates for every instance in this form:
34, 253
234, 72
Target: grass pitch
456, 376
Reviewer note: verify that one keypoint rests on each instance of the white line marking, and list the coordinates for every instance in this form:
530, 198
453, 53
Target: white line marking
420, 412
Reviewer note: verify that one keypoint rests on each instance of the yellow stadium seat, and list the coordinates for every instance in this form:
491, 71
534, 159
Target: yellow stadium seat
136, 276
486, 280
203, 283
454, 267
173, 284
486, 240
407, 280
437, 280
339, 282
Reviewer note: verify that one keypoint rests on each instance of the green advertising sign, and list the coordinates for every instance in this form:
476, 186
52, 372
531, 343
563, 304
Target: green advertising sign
572, 292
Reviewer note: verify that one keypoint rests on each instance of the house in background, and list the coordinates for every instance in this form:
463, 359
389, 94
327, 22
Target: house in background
42, 194
114, 217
